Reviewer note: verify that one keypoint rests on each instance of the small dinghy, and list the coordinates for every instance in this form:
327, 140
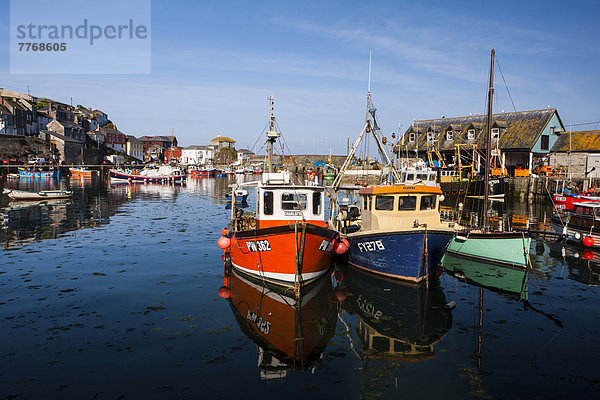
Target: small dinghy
40, 195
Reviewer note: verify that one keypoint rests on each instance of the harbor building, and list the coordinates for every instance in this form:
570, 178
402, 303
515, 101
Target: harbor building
522, 139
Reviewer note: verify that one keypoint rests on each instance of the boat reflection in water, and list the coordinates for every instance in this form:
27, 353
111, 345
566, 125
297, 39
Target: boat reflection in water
397, 320
290, 332
583, 264
499, 278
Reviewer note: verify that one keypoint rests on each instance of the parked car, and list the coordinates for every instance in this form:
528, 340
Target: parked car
37, 161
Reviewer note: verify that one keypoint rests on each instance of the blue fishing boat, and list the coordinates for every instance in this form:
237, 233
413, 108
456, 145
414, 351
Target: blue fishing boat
241, 195
401, 234
397, 231
31, 173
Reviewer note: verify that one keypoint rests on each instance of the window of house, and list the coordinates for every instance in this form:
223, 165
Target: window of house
495, 133
471, 134
291, 201
427, 202
449, 135
268, 203
384, 203
411, 137
545, 142
406, 203
316, 203
429, 136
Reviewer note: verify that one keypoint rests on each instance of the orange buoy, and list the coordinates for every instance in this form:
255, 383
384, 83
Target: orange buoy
341, 246
224, 292
588, 241
587, 254
224, 242
340, 294
224, 232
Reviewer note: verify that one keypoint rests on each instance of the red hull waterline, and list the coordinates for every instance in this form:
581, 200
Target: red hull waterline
270, 253
206, 174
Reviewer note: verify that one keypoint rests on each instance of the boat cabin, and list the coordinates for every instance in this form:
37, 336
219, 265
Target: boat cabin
280, 203
587, 209
418, 176
389, 208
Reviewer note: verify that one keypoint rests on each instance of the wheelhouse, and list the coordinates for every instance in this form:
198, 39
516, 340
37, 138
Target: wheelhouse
400, 206
282, 204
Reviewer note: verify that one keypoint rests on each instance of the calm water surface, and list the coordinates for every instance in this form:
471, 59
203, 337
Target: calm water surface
113, 295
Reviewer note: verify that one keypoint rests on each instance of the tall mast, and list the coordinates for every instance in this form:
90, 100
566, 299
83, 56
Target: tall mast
272, 133
488, 144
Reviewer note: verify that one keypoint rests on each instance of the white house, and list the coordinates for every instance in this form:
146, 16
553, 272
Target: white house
197, 155
242, 155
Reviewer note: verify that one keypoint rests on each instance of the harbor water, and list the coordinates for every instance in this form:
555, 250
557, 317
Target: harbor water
113, 294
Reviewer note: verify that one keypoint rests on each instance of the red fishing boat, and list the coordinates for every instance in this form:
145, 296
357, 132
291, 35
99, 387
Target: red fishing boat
286, 240
207, 171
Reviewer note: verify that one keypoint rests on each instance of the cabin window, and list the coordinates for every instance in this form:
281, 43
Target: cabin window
385, 203
411, 138
471, 134
432, 177
291, 201
495, 133
422, 177
449, 135
406, 203
545, 142
316, 203
410, 177
427, 202
268, 203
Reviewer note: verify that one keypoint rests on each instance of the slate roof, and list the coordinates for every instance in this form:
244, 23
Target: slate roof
197, 147
105, 131
518, 130
70, 124
581, 141
61, 137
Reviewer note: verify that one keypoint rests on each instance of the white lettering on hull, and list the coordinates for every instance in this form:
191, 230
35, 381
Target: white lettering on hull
375, 245
259, 245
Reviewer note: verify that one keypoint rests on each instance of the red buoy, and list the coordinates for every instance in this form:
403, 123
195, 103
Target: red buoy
587, 254
224, 242
224, 292
224, 232
341, 246
340, 294
588, 241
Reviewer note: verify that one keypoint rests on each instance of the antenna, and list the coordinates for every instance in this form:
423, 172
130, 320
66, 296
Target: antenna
369, 87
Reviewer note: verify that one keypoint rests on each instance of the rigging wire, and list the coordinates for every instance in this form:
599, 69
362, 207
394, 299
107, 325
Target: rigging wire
505, 85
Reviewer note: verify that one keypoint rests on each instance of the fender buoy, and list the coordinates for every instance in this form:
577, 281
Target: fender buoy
341, 246
224, 242
224, 292
588, 241
340, 294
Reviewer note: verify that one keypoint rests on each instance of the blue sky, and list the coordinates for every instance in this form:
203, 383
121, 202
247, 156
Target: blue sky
215, 62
